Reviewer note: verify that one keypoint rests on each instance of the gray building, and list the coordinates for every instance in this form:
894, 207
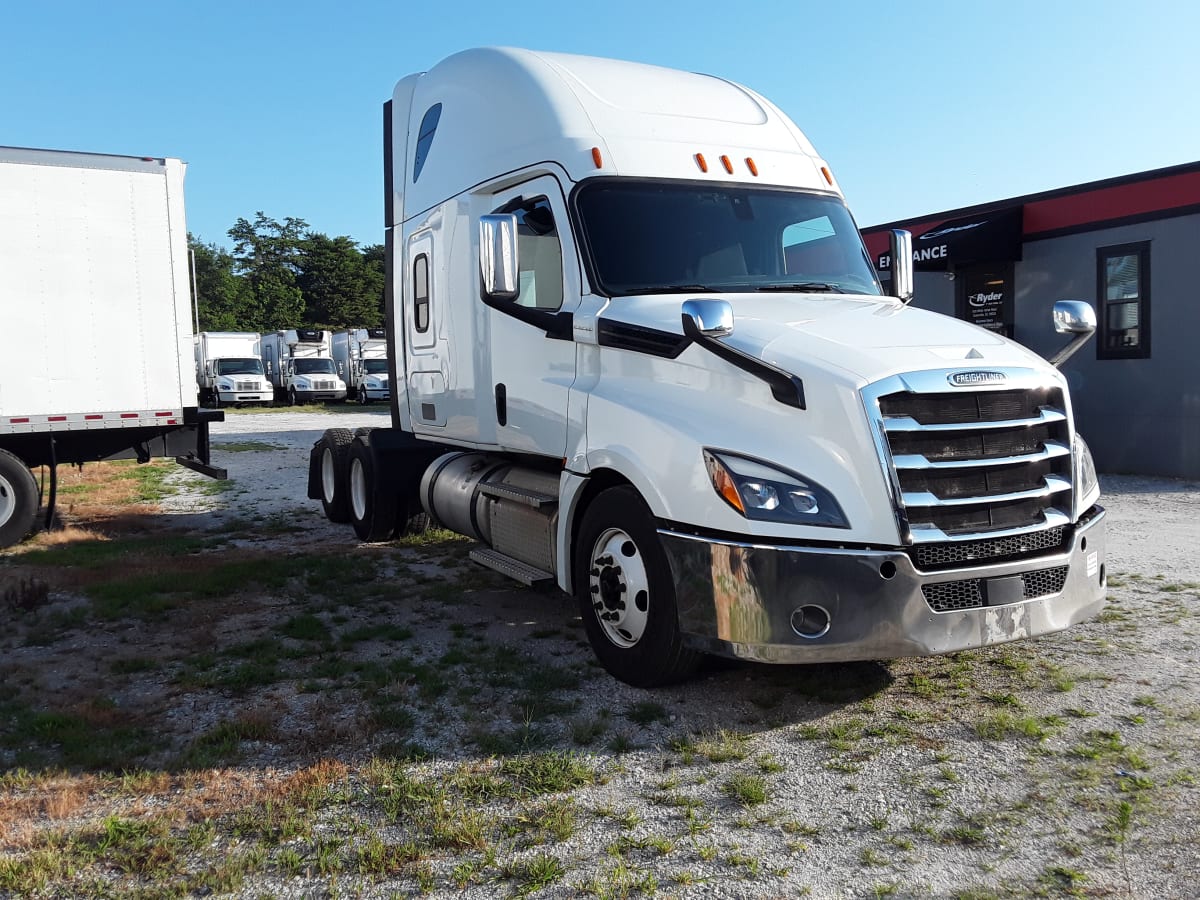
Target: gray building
1130, 247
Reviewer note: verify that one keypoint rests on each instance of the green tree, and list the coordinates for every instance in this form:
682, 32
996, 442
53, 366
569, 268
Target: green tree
222, 300
376, 277
339, 289
266, 254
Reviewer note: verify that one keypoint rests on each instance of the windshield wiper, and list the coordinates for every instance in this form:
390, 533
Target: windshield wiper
668, 288
814, 286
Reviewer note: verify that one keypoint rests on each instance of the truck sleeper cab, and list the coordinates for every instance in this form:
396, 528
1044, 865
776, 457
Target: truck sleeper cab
640, 353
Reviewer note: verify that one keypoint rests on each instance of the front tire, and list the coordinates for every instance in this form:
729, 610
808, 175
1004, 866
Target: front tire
373, 510
626, 594
363, 399
18, 500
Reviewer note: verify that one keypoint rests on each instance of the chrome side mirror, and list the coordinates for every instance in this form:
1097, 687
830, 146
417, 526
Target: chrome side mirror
498, 256
900, 248
711, 317
1072, 317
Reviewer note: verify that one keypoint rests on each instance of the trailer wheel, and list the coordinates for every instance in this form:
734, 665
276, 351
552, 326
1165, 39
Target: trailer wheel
334, 453
626, 594
363, 399
18, 499
372, 510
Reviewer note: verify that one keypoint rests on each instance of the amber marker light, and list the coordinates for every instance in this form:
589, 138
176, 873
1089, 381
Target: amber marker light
752, 167
701, 162
828, 175
597, 158
723, 483
727, 164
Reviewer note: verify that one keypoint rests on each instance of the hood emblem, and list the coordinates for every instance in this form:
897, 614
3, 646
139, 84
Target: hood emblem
969, 379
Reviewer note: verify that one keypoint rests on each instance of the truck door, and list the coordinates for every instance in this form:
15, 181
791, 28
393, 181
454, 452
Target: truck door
426, 365
532, 373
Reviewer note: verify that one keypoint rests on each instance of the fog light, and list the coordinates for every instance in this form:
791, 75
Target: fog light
810, 621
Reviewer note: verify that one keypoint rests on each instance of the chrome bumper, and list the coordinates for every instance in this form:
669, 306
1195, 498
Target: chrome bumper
738, 599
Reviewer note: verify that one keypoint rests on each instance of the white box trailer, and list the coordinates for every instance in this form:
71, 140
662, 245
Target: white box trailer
640, 352
361, 356
229, 368
95, 320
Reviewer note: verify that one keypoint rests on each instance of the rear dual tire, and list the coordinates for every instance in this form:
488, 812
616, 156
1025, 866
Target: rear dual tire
334, 454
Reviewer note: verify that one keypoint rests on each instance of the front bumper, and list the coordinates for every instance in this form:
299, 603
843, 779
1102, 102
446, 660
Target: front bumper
738, 599
320, 396
245, 396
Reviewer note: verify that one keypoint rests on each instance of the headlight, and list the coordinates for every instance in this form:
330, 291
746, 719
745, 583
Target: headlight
769, 494
224, 386
1087, 485
300, 383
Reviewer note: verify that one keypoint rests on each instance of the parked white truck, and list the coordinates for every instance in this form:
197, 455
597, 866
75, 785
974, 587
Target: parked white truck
95, 322
299, 366
361, 356
640, 352
229, 369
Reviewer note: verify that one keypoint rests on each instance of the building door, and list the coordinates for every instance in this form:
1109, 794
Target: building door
985, 296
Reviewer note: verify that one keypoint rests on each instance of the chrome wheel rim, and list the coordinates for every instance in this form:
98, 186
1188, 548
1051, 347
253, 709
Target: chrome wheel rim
358, 489
328, 475
8, 500
619, 588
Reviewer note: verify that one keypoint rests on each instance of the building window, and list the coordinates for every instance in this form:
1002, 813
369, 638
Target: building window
1123, 286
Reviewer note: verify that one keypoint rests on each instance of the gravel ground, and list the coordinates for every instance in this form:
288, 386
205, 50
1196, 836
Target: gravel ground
1061, 766
958, 799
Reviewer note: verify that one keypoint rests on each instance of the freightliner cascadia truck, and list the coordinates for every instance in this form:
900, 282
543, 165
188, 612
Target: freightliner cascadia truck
640, 352
96, 356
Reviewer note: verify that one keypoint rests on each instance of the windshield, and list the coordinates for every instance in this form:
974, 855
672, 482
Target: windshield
314, 367
652, 237
375, 366
233, 366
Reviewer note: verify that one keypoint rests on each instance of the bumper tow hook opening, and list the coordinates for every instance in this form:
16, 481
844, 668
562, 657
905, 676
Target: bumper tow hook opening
810, 621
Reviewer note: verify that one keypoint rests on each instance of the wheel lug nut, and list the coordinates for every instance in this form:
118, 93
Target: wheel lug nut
595, 572
595, 588
621, 588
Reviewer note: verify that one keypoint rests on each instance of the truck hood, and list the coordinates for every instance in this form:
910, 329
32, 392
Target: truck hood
866, 337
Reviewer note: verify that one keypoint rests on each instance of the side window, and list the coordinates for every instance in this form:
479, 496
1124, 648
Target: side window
539, 252
421, 293
1123, 285
429, 124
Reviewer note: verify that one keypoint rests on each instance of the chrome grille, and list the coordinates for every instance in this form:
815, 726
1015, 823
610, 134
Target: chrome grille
948, 596
975, 464
322, 385
245, 386
948, 554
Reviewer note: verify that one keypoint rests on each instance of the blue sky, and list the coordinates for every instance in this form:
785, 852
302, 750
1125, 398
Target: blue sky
919, 107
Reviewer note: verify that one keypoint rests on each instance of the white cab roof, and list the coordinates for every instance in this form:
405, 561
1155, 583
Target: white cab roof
506, 109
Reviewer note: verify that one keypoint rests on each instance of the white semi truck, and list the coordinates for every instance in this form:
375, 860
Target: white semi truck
361, 356
229, 369
300, 367
95, 322
640, 352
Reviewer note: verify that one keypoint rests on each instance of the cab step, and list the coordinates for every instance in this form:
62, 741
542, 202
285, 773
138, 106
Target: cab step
525, 496
507, 565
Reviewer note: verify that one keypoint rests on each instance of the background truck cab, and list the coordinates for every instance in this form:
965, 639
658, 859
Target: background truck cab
300, 367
